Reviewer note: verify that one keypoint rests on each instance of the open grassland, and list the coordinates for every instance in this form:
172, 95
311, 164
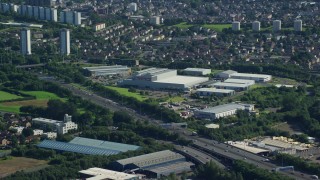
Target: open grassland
175, 99
7, 96
42, 94
217, 27
42, 98
183, 25
125, 92
14, 164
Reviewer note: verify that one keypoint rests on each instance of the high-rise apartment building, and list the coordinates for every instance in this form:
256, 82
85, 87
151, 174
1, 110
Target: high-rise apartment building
64, 41
25, 40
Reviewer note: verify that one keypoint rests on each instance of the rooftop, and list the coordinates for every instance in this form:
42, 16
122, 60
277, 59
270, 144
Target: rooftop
251, 75
101, 68
230, 84
239, 81
152, 158
40, 119
229, 72
104, 144
182, 80
216, 90
223, 108
63, 146
171, 167
101, 174
196, 69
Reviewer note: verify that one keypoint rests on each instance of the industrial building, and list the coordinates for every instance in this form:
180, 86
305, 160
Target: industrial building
231, 86
162, 78
25, 41
240, 81
235, 75
109, 70
256, 26
65, 42
102, 174
70, 17
236, 26
88, 146
196, 71
220, 111
276, 25
62, 127
214, 91
156, 164
297, 25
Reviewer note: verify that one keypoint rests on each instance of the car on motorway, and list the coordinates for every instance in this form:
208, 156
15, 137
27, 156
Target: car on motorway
266, 160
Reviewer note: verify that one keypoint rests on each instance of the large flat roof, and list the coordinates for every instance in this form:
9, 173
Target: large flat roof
215, 90
171, 167
196, 69
104, 144
239, 81
183, 80
230, 84
63, 146
222, 108
101, 174
105, 67
152, 158
251, 75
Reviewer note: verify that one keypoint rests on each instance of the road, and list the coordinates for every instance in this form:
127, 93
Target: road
205, 144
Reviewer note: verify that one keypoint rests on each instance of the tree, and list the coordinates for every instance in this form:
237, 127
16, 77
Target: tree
27, 132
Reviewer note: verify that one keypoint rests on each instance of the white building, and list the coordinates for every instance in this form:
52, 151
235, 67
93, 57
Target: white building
197, 71
214, 91
155, 20
256, 26
65, 42
25, 41
133, 7
297, 25
62, 127
236, 26
231, 86
99, 27
50, 135
108, 70
100, 174
240, 81
235, 75
276, 25
19, 129
37, 132
70, 17
220, 111
162, 78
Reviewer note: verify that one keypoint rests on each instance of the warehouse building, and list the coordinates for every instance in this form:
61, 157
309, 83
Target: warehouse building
62, 127
240, 81
214, 91
231, 86
102, 174
88, 146
220, 111
156, 164
109, 70
235, 75
162, 78
196, 71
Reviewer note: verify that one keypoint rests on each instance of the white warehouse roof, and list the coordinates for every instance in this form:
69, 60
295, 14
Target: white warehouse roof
224, 108
240, 81
264, 76
231, 84
187, 80
100, 174
214, 90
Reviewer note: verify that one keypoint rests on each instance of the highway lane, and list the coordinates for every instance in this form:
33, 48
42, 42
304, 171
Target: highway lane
220, 148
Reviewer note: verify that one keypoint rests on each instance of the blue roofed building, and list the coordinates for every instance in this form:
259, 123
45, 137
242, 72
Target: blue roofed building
88, 146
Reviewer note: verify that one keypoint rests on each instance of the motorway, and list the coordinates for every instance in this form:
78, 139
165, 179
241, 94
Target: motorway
210, 146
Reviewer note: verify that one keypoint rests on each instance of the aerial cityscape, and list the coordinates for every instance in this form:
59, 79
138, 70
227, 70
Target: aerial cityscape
154, 89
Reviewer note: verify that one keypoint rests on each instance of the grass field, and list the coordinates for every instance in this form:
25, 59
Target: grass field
217, 27
14, 164
175, 99
7, 96
42, 98
183, 25
125, 92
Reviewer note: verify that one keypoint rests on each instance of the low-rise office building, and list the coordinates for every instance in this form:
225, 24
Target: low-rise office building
231, 86
220, 111
62, 127
214, 91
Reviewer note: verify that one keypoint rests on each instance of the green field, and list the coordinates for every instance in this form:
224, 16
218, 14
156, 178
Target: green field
217, 27
125, 92
183, 25
42, 98
7, 96
175, 99
42, 94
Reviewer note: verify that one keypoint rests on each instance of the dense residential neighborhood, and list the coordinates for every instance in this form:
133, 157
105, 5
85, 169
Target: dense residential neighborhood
153, 89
